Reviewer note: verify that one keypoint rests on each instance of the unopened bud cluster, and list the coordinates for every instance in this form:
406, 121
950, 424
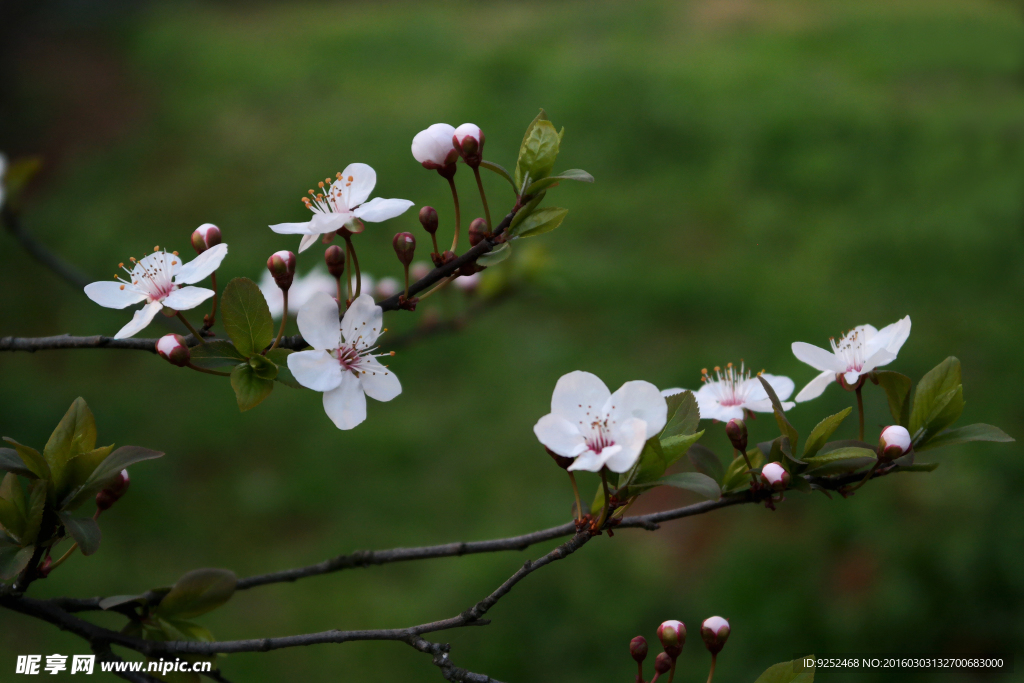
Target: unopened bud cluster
672, 635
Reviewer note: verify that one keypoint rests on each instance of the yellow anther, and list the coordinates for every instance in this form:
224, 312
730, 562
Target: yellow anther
122, 286
392, 353
121, 264
717, 368
175, 253
320, 185
132, 259
156, 248
350, 179
174, 263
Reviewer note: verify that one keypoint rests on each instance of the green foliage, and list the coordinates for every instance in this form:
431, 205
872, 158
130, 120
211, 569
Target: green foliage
937, 398
824, 429
706, 462
538, 151
787, 429
250, 389
196, 593
120, 459
968, 433
496, 255
549, 182
695, 482
737, 475
216, 354
246, 316
788, 672
897, 390
840, 460
84, 530
540, 221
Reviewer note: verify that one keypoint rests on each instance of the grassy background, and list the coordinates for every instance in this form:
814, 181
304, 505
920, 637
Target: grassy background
766, 172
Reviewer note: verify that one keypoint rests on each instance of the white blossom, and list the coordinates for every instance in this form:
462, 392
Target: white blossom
433, 147
303, 287
726, 394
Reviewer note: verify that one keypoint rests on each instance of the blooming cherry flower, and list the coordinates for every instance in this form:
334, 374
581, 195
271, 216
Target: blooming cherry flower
857, 353
433, 147
342, 363
157, 279
339, 203
728, 393
598, 428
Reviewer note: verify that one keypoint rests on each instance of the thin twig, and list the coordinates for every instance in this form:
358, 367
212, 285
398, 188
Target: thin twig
62, 268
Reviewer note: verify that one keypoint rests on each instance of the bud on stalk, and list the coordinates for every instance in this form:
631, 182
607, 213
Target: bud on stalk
638, 649
173, 349
477, 231
894, 442
281, 265
405, 247
113, 491
672, 635
714, 631
736, 430
335, 258
468, 141
662, 663
775, 476
205, 236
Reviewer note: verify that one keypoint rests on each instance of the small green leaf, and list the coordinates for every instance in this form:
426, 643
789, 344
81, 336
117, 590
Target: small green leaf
250, 390
571, 174
946, 410
246, 316
736, 475
35, 508
198, 592
84, 530
840, 460
936, 383
975, 432
105, 471
698, 483
683, 415
31, 458
83, 465
10, 489
13, 560
789, 672
706, 462
263, 367
651, 465
824, 429
10, 461
897, 390
525, 211
496, 255
920, 467
117, 600
539, 150
216, 354
284, 375
540, 221
11, 518
780, 415
674, 447
74, 435
500, 170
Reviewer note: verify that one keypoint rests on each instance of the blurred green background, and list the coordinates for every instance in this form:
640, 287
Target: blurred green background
766, 172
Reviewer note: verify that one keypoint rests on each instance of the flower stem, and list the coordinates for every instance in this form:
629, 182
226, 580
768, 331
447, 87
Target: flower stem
483, 196
714, 659
64, 557
860, 413
458, 213
348, 279
190, 328
433, 238
672, 671
355, 264
284, 319
208, 371
750, 466
576, 492
406, 281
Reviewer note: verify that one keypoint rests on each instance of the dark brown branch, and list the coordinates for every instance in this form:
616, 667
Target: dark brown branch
448, 669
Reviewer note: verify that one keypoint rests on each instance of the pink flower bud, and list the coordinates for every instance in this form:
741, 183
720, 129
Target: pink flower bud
638, 649
477, 231
335, 258
714, 631
736, 430
205, 236
117, 487
662, 663
428, 219
775, 476
468, 141
281, 265
894, 442
672, 635
405, 247
434, 149
173, 349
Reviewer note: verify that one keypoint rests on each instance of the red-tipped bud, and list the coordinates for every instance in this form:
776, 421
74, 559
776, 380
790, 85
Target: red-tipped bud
775, 476
281, 265
428, 219
405, 247
173, 349
468, 141
714, 631
477, 231
893, 443
662, 663
205, 236
45, 568
736, 430
638, 649
433, 148
560, 460
672, 635
117, 487
335, 258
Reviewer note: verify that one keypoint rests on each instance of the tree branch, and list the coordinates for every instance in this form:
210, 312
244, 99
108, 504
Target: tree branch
448, 668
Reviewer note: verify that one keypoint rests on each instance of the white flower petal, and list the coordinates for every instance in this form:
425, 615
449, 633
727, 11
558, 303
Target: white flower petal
816, 386
363, 322
317, 370
142, 317
631, 435
877, 360
765, 406
641, 400
579, 397
588, 461
379, 382
201, 266
187, 297
329, 222
560, 435
713, 410
467, 129
307, 241
318, 322
754, 390
292, 228
672, 392
113, 294
852, 376
379, 209
357, 182
891, 337
818, 358
434, 145
346, 405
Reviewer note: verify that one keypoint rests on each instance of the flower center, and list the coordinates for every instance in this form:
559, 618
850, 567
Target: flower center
731, 387
850, 349
153, 275
330, 198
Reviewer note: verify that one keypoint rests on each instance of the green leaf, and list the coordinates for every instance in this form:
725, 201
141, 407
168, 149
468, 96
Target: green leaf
500, 170
975, 432
250, 390
31, 458
11, 518
13, 560
651, 465
35, 508
683, 415
782, 453
920, 467
531, 136
11, 462
284, 375
945, 411
75, 434
246, 316
84, 530
780, 415
698, 483
198, 592
525, 211
104, 472
824, 429
936, 383
116, 600
538, 153
496, 255
897, 390
736, 475
540, 221
706, 462
10, 489
83, 465
789, 672
674, 447
571, 174
263, 367
215, 354
840, 460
